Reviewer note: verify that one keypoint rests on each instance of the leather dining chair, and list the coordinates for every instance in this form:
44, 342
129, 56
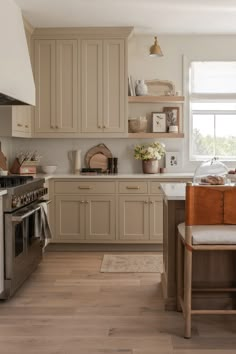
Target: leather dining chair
210, 225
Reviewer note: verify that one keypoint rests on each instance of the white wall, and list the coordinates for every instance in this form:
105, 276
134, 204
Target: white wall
169, 67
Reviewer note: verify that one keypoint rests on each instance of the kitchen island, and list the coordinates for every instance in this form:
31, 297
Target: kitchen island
210, 269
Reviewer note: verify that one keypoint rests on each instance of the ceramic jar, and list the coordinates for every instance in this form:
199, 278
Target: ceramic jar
141, 88
150, 166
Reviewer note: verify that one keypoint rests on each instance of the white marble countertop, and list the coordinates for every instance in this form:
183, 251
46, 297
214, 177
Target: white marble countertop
157, 176
173, 191
3, 192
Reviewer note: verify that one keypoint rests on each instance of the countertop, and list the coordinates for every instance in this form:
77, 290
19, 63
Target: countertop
157, 176
173, 191
3, 192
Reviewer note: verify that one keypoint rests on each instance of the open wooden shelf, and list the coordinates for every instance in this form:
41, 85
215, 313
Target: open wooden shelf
155, 99
155, 135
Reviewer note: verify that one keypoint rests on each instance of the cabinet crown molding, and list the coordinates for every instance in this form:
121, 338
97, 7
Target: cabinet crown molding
81, 32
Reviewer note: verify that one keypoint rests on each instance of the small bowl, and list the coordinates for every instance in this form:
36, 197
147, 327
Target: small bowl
49, 169
3, 173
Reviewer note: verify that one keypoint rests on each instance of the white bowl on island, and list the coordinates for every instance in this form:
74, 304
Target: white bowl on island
48, 169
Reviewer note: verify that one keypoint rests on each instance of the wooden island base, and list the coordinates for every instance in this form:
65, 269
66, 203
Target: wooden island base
215, 269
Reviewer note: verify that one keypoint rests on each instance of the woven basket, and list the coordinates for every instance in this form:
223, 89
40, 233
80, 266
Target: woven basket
137, 125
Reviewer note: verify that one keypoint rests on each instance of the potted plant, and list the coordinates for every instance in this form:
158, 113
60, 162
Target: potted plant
172, 119
149, 154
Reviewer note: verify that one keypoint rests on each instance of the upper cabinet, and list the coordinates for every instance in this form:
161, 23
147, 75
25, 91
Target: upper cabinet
104, 92
81, 82
56, 70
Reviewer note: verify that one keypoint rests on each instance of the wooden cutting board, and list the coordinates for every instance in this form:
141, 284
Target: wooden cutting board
98, 161
3, 160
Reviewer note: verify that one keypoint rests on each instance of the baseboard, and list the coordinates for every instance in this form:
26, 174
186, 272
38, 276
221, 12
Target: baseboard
75, 247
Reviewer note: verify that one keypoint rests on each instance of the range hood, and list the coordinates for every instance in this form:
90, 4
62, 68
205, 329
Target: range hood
16, 77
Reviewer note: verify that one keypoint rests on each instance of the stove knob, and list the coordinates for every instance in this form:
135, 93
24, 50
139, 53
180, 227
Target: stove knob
14, 201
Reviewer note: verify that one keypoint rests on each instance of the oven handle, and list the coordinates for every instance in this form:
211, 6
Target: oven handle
24, 216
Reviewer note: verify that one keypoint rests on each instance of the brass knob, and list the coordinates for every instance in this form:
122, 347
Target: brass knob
99, 126
57, 127
26, 126
146, 202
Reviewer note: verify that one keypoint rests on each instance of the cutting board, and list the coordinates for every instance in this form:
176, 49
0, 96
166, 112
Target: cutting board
3, 159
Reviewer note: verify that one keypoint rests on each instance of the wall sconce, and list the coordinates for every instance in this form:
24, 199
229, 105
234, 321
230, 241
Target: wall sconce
155, 50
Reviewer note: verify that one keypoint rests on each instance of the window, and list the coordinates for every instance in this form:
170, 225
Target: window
212, 110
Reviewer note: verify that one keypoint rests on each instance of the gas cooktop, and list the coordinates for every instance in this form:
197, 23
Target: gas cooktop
13, 181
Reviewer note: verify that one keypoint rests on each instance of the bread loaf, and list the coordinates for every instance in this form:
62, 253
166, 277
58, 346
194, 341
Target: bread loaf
216, 180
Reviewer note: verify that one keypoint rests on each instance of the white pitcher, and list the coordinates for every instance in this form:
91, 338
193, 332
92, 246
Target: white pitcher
75, 158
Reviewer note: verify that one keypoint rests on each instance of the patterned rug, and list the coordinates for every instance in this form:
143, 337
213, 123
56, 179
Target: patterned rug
132, 263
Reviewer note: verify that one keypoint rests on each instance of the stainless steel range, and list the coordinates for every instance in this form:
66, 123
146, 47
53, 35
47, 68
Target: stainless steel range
23, 244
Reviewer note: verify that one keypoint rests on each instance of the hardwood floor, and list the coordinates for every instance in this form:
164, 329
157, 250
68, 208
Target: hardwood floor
69, 307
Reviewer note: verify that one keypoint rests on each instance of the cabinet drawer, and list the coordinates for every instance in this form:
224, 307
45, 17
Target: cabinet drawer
133, 187
83, 187
156, 188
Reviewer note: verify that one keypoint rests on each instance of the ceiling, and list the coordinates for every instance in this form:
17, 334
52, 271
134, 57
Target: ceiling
146, 16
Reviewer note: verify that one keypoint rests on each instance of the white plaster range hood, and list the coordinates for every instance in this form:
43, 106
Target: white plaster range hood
16, 77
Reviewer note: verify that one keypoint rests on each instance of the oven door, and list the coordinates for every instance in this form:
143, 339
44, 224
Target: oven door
23, 249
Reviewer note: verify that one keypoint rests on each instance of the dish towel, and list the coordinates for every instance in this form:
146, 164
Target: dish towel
42, 228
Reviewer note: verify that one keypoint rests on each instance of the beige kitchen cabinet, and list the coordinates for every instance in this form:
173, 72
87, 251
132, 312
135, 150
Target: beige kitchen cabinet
81, 216
140, 218
100, 218
104, 93
56, 78
70, 218
15, 121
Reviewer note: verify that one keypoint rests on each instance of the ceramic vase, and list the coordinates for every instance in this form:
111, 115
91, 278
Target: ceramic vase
141, 88
150, 166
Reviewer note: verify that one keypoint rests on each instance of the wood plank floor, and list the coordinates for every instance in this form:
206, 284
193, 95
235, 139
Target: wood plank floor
69, 307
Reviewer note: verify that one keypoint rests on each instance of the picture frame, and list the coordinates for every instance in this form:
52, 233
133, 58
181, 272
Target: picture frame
172, 116
158, 122
173, 160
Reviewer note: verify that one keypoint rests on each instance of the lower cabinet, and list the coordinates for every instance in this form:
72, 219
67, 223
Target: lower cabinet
140, 218
85, 218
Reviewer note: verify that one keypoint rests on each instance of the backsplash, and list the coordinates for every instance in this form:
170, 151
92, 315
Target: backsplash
55, 151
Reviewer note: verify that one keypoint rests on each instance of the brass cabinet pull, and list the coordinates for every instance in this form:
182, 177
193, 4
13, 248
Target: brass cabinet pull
146, 202
85, 187
99, 126
19, 125
26, 126
151, 202
86, 202
132, 187
57, 127
82, 201
51, 126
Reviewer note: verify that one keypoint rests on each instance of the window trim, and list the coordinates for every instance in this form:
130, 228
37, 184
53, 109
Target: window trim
201, 98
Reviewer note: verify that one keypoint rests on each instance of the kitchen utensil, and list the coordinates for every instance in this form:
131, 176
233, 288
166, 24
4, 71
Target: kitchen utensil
101, 148
98, 161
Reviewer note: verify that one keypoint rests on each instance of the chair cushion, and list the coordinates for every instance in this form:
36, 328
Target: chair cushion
211, 234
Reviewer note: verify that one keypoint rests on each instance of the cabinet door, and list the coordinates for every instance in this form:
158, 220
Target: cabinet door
92, 84
100, 217
45, 80
133, 218
70, 218
66, 86
114, 94
21, 121
156, 218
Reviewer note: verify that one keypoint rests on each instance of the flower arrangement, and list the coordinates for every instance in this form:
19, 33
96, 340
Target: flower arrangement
149, 151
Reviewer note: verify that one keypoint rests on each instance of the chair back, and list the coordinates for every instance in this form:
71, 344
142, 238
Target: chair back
210, 205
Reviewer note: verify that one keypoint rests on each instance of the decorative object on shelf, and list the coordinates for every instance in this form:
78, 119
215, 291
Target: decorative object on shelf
141, 88
158, 122
155, 50
131, 87
97, 156
160, 87
138, 125
172, 160
172, 119
149, 154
